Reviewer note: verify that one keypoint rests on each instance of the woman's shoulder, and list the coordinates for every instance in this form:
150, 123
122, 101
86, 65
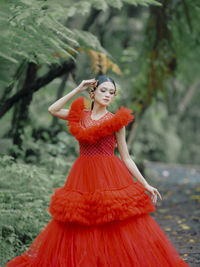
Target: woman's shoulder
82, 105
76, 109
112, 122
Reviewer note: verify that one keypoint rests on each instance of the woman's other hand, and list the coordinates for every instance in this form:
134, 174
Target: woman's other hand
154, 192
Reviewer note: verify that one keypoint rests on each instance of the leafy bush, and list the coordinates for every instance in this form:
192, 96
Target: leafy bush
24, 196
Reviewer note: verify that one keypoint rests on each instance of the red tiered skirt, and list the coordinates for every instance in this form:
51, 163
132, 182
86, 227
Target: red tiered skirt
100, 218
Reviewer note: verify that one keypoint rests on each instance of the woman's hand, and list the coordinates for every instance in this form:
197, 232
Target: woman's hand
154, 193
85, 84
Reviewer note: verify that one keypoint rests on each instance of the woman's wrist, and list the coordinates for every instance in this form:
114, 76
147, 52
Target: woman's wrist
144, 182
146, 185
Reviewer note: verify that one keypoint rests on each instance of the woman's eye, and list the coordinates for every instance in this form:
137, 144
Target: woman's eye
103, 91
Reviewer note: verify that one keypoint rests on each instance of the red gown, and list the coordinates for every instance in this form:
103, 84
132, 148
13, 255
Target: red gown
100, 217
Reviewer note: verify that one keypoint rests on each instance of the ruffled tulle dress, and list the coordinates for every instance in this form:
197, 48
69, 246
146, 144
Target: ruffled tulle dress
101, 216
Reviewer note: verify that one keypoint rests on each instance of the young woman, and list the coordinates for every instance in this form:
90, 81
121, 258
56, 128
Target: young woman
100, 217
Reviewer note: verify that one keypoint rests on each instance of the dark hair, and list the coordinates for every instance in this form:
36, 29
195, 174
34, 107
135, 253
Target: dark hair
104, 78
101, 79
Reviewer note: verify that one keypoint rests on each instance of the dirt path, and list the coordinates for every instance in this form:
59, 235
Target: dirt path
179, 212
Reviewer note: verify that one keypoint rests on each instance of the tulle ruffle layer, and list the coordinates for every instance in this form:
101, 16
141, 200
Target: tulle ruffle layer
101, 206
91, 135
136, 242
102, 191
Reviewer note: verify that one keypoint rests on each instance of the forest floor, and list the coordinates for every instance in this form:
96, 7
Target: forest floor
178, 213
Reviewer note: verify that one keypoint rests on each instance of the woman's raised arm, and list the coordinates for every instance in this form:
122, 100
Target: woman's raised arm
56, 108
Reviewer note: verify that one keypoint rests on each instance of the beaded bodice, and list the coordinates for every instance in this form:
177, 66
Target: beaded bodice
105, 145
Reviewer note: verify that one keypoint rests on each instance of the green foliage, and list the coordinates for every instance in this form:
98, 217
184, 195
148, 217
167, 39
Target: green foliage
24, 196
46, 150
37, 31
157, 137
143, 2
40, 31
23, 191
168, 138
27, 183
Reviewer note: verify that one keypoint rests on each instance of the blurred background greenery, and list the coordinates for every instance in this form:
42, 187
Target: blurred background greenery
150, 48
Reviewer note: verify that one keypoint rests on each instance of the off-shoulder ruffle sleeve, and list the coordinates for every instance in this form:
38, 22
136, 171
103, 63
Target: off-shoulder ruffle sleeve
76, 110
93, 133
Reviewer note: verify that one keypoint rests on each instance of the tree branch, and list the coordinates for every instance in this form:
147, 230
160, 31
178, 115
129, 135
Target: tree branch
37, 84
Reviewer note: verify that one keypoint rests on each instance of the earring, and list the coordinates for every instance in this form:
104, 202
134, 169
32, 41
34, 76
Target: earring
92, 96
92, 89
91, 93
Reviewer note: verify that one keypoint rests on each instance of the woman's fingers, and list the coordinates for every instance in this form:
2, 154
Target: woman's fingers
89, 81
154, 195
158, 194
154, 198
86, 83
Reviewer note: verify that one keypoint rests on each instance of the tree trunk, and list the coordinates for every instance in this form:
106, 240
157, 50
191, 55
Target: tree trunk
21, 113
158, 42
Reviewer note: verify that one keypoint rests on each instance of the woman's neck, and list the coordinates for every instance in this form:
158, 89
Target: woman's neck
98, 110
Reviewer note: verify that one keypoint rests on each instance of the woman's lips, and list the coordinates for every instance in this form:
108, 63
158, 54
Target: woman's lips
106, 100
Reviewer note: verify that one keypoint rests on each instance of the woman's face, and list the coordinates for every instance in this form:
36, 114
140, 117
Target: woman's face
104, 93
